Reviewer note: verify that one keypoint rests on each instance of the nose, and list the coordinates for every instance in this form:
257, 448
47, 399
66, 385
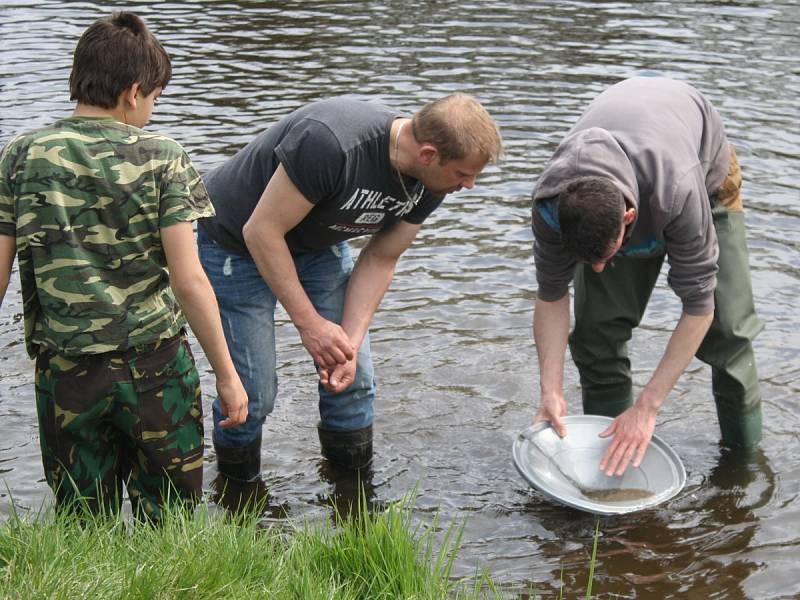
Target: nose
469, 182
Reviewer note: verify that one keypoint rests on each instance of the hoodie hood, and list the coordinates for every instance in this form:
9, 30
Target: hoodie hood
586, 153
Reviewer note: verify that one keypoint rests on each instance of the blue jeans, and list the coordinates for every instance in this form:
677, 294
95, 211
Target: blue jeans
247, 308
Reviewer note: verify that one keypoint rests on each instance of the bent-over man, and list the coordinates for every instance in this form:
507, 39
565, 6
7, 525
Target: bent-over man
646, 173
286, 205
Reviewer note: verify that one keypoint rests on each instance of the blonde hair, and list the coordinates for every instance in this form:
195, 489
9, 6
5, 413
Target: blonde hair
458, 125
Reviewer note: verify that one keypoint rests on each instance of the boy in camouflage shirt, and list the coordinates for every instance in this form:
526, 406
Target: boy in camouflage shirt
100, 215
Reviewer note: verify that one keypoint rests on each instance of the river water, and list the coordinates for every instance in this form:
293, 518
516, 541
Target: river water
452, 342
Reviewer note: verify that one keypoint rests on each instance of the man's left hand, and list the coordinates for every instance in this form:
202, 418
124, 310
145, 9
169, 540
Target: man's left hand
339, 378
632, 431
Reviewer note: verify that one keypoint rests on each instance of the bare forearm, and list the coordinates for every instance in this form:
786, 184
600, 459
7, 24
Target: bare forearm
633, 429
276, 266
8, 249
682, 346
3, 287
371, 278
550, 333
327, 343
199, 305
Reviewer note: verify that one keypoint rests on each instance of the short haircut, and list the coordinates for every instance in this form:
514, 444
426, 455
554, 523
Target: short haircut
114, 53
459, 126
590, 215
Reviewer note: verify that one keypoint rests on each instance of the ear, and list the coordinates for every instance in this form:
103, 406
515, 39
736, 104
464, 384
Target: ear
427, 153
629, 216
128, 95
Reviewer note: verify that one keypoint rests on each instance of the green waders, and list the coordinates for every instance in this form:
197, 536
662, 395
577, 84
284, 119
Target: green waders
610, 304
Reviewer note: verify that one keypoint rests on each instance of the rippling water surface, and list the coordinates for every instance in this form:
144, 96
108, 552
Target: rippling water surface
452, 341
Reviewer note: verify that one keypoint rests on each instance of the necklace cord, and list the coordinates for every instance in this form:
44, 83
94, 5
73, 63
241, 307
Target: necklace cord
397, 164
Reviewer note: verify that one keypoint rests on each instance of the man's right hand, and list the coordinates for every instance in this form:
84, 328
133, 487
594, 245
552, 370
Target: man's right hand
327, 343
552, 408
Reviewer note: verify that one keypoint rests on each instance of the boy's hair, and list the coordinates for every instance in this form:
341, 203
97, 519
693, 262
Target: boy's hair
458, 125
590, 215
114, 53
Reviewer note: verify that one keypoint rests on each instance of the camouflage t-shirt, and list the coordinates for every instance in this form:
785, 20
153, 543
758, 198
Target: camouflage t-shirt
85, 199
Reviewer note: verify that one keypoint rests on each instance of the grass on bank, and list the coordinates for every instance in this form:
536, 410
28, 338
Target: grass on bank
211, 555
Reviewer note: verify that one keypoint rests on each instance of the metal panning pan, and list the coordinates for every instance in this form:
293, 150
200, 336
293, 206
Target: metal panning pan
566, 470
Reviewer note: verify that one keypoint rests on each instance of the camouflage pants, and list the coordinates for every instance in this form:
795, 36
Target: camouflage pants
131, 417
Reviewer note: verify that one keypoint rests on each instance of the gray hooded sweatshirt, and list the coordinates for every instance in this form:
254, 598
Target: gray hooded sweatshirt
663, 144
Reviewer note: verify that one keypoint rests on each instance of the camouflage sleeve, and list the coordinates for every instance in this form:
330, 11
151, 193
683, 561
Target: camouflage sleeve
183, 194
8, 225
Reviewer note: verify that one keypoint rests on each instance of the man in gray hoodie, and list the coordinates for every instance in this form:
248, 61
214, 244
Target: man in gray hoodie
646, 172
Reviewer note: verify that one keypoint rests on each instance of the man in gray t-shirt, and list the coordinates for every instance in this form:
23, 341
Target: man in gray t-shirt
646, 173
286, 205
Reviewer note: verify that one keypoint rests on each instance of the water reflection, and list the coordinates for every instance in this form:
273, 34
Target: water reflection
349, 492
452, 342
702, 544
695, 546
239, 497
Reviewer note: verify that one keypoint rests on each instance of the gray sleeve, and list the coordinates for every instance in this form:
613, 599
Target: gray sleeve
692, 249
554, 266
313, 159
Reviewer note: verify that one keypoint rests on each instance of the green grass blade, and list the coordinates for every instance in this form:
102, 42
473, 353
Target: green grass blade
594, 560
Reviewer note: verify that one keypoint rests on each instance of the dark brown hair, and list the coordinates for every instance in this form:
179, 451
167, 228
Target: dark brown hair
590, 214
114, 53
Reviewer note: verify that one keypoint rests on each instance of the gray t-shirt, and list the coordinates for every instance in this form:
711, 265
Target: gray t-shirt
336, 152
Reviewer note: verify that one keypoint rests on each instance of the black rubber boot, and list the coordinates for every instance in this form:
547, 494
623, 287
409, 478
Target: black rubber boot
241, 463
351, 450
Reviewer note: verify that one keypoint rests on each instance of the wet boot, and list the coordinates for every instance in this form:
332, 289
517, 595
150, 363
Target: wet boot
239, 463
350, 450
